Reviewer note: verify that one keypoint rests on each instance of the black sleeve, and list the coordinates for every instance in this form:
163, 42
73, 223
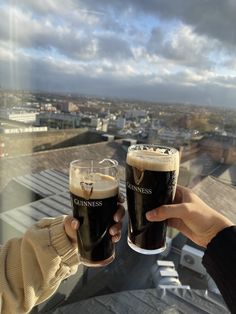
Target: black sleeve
220, 262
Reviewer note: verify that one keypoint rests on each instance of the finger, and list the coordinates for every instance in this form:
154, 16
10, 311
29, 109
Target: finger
72, 222
71, 225
121, 197
119, 214
167, 211
115, 229
116, 238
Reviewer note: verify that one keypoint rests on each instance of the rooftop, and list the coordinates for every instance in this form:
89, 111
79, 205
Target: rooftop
129, 277
57, 159
218, 195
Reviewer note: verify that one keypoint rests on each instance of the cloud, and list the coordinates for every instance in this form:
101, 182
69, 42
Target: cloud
76, 43
111, 80
156, 50
182, 46
212, 18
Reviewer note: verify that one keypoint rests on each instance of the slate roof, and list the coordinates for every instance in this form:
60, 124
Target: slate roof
56, 202
58, 159
218, 195
43, 168
151, 301
227, 174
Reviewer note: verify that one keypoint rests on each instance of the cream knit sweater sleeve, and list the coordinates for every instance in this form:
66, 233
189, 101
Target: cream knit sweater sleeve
32, 267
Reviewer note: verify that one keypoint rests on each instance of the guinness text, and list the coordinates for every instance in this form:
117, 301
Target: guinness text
87, 203
139, 189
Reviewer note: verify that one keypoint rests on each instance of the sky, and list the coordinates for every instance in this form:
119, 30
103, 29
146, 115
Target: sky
154, 50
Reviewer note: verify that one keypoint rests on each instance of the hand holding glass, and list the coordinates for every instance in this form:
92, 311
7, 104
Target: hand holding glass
94, 187
151, 179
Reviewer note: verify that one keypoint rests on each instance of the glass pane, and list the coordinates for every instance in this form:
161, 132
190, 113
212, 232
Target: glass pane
87, 79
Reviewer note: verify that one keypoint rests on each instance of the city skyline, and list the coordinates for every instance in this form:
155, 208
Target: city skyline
164, 51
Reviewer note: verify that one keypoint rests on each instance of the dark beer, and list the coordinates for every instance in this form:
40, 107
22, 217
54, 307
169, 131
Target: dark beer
94, 202
151, 179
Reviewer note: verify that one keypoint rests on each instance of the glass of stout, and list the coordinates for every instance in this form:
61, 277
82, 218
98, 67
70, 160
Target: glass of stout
94, 189
151, 180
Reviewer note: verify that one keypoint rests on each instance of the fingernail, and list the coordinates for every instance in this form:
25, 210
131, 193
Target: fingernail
115, 239
116, 218
151, 214
74, 224
112, 231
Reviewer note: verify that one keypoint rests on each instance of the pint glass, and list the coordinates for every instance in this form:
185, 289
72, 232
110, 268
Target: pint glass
151, 179
94, 194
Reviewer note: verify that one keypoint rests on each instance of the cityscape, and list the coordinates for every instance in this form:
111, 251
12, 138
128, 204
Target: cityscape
87, 79
41, 133
180, 125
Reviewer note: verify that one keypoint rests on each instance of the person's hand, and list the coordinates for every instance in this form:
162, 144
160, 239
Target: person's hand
71, 224
191, 216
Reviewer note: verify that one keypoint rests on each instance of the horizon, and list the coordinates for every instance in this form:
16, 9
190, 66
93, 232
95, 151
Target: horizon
144, 102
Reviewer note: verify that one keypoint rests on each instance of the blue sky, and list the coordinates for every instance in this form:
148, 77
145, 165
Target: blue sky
158, 50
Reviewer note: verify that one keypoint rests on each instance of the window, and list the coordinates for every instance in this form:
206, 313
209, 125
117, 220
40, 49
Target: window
90, 78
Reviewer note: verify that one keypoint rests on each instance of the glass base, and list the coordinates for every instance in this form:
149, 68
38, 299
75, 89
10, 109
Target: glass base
144, 251
105, 262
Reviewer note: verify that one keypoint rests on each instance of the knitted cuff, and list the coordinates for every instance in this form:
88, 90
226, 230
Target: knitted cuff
61, 243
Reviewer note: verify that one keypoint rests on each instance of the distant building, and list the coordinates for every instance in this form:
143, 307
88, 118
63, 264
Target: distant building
136, 114
18, 130
26, 117
58, 120
120, 123
172, 136
221, 148
68, 107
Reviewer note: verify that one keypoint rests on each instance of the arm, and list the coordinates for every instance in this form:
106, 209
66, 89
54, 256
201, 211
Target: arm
220, 262
32, 267
208, 228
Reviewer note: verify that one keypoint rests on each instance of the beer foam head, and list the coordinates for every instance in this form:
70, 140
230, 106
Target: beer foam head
93, 185
153, 158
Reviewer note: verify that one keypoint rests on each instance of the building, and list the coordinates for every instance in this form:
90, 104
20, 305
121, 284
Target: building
135, 113
18, 130
58, 120
221, 148
16, 144
120, 123
68, 107
22, 116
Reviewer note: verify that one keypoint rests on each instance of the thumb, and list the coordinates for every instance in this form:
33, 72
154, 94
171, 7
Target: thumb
165, 212
71, 225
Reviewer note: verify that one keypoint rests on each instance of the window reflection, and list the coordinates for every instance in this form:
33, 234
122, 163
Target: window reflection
88, 79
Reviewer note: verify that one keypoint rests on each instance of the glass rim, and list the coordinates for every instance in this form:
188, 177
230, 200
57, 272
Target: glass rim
98, 163
173, 150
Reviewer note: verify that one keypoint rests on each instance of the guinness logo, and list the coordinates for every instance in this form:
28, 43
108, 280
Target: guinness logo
138, 175
87, 189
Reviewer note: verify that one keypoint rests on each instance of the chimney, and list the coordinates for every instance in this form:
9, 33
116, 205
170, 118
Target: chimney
129, 141
108, 137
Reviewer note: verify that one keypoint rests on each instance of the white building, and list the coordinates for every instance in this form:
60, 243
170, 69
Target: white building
26, 117
23, 130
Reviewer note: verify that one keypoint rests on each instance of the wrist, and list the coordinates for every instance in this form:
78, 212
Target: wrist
218, 229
